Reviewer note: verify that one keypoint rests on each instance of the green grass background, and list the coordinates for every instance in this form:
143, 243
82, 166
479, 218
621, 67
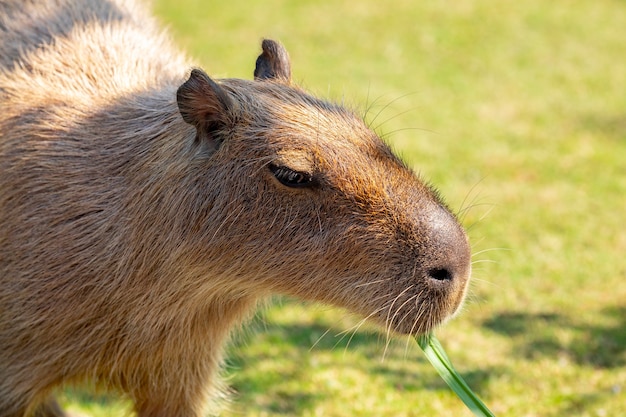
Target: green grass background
516, 110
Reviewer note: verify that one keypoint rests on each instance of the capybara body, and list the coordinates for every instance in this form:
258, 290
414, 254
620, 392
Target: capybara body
146, 210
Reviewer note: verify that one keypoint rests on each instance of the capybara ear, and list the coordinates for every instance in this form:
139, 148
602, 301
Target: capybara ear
205, 105
273, 63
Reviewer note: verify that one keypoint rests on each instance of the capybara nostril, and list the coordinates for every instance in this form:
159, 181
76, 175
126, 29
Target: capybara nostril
440, 274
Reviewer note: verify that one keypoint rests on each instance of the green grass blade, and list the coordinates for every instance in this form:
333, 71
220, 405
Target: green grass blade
438, 358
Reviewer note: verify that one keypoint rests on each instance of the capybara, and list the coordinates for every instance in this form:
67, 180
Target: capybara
146, 209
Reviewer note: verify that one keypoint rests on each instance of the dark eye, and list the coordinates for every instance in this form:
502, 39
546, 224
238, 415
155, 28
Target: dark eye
292, 178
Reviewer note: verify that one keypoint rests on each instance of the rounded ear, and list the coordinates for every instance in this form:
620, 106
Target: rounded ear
204, 104
273, 63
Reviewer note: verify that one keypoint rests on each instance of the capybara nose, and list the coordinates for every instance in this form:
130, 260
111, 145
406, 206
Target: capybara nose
449, 257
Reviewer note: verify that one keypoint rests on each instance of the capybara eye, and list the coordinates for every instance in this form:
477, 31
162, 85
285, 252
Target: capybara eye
291, 178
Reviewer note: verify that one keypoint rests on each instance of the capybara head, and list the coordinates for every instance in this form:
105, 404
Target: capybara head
314, 204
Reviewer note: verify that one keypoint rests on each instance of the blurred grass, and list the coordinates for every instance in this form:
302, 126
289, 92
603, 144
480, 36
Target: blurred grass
517, 112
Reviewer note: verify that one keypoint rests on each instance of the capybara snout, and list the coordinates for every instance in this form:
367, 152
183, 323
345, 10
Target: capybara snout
146, 209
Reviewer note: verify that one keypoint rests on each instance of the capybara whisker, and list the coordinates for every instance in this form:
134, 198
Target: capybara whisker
487, 250
364, 284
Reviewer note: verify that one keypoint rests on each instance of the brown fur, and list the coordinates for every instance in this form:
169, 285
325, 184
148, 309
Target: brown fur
141, 219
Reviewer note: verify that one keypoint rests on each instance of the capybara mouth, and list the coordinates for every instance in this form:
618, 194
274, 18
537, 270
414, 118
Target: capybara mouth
416, 312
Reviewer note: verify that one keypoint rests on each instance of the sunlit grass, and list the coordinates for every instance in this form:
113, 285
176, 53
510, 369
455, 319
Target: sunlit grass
517, 112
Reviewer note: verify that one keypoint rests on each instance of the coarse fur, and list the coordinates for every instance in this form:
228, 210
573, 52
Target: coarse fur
146, 210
